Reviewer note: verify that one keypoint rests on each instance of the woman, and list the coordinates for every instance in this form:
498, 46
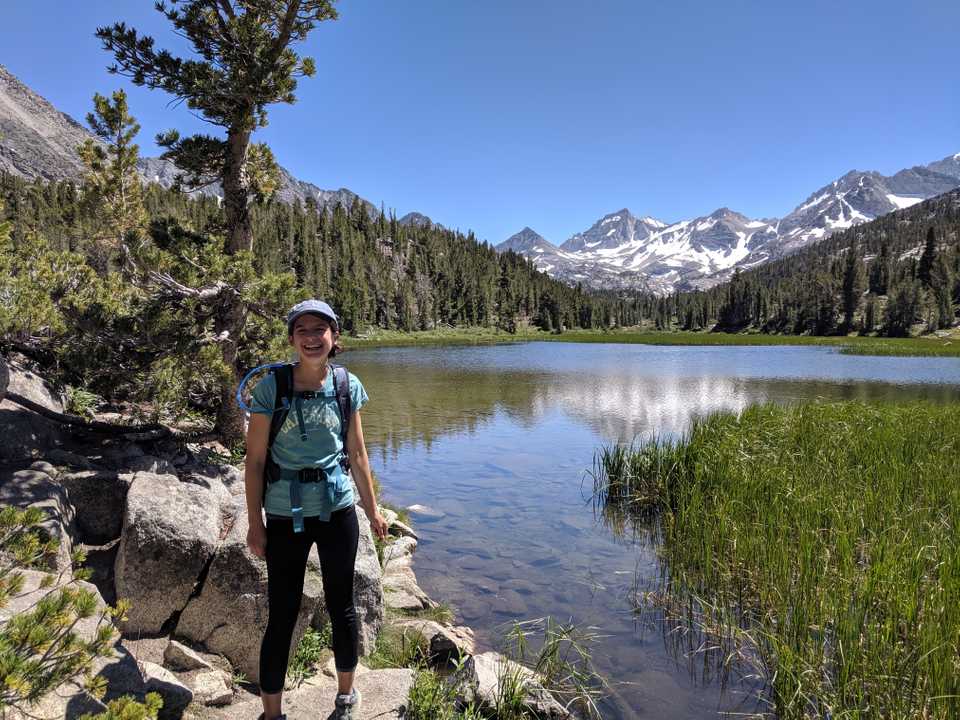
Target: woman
305, 470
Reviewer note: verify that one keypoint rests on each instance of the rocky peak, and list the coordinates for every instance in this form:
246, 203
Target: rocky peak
613, 230
950, 165
36, 139
415, 218
526, 241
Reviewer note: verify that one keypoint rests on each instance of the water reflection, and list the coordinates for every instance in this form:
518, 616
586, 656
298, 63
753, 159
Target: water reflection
620, 391
496, 440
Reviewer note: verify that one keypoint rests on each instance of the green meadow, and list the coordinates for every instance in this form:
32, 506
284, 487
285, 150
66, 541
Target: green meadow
819, 542
931, 346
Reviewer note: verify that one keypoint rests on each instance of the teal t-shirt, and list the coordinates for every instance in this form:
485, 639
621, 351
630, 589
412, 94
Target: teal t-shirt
322, 448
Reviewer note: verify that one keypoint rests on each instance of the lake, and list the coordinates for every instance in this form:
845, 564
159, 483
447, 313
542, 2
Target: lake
498, 442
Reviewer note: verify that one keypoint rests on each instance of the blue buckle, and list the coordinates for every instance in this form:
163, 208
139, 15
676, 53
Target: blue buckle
297, 519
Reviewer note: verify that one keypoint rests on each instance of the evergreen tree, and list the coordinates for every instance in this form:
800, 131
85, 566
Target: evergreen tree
927, 259
941, 290
903, 309
852, 286
40, 648
111, 187
880, 271
246, 65
870, 315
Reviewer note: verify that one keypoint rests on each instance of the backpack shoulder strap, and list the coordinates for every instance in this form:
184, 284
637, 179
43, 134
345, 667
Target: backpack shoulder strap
283, 376
341, 386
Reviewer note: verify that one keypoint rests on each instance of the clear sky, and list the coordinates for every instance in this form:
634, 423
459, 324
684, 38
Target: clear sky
550, 113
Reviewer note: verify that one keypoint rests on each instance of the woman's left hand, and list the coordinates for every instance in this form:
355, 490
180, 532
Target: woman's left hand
378, 525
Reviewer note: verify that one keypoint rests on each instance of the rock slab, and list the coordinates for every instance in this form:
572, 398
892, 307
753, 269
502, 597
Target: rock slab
230, 614
170, 531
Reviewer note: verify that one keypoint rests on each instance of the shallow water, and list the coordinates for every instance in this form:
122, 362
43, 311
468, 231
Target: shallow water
497, 441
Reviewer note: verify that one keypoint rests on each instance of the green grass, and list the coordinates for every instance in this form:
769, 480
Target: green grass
926, 346
441, 613
398, 647
432, 698
403, 515
82, 402
826, 537
313, 646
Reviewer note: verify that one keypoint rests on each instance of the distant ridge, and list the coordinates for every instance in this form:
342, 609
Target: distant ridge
39, 141
621, 250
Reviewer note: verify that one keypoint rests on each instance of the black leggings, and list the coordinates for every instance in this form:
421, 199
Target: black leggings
286, 562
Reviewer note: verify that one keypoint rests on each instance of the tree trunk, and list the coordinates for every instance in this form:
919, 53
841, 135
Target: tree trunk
4, 377
230, 319
236, 192
231, 315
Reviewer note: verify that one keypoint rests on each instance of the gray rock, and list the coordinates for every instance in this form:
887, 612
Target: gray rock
399, 548
401, 591
176, 696
402, 529
148, 464
170, 531
389, 515
445, 642
178, 656
211, 689
486, 677
46, 468
229, 615
25, 432
99, 499
34, 488
65, 458
385, 694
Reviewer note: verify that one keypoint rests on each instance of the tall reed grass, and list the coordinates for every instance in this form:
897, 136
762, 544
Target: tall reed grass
826, 535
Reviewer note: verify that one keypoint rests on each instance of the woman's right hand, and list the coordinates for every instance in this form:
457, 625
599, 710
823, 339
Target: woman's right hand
257, 539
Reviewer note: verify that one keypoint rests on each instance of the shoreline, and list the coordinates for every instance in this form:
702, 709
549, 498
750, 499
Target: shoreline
943, 345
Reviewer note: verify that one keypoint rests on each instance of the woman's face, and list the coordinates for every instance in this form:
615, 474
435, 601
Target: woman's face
312, 337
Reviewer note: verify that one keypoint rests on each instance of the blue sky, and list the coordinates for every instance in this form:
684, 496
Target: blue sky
495, 115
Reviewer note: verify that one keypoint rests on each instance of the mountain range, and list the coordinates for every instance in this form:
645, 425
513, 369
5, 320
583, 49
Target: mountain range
39, 141
620, 250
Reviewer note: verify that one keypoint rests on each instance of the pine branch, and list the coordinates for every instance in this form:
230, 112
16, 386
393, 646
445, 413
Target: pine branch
143, 431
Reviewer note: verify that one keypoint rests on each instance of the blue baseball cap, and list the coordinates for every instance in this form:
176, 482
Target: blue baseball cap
312, 307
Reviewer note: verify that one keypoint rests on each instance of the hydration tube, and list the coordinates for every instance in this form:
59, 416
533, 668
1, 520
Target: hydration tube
246, 379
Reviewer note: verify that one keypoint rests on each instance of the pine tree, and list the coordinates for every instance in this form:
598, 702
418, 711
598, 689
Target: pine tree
246, 65
40, 648
852, 286
941, 286
927, 259
870, 315
903, 308
111, 188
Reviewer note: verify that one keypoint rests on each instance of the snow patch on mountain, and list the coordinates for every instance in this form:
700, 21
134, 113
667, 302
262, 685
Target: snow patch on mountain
903, 202
624, 251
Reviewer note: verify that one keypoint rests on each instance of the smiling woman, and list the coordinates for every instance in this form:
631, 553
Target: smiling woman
303, 441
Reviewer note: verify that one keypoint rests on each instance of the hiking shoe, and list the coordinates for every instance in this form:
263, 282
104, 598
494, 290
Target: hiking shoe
347, 706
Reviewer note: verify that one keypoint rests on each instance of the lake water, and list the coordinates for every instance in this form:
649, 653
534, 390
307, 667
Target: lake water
498, 440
